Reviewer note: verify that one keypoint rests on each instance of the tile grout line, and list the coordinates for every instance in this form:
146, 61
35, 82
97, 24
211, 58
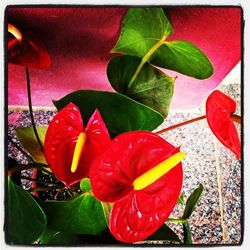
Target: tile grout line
218, 177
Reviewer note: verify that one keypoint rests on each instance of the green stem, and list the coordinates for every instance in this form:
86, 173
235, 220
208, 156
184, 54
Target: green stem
233, 117
145, 59
175, 220
187, 233
30, 109
20, 149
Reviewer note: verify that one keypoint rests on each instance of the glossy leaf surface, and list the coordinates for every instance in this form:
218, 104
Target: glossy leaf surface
81, 215
192, 201
55, 237
61, 138
135, 215
143, 28
183, 57
219, 108
119, 112
28, 139
26, 219
151, 87
165, 233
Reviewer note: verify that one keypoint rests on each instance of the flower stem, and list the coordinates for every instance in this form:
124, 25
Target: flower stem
175, 220
181, 124
145, 59
233, 117
30, 109
219, 185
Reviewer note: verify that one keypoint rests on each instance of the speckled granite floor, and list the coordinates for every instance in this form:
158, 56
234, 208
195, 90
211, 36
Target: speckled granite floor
203, 153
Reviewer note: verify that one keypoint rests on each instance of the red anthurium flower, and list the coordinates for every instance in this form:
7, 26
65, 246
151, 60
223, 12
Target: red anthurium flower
142, 174
26, 52
70, 148
219, 112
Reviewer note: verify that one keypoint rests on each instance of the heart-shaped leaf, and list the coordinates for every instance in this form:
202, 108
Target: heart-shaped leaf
55, 237
29, 141
192, 201
151, 87
183, 57
141, 29
165, 233
81, 215
26, 220
120, 113
143, 34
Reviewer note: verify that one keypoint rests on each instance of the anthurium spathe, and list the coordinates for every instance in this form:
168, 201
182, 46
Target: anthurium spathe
25, 52
220, 110
70, 148
141, 174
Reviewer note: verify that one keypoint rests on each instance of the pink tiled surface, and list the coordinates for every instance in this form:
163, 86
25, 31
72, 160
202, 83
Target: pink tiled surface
79, 41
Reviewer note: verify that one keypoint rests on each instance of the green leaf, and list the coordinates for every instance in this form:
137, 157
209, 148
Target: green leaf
192, 201
26, 220
81, 215
181, 199
29, 141
183, 57
56, 237
151, 87
141, 29
165, 233
120, 113
85, 185
106, 211
143, 34
187, 233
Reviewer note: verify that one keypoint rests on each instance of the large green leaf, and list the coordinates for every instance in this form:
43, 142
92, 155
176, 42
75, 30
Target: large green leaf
192, 201
26, 220
81, 215
141, 29
143, 34
151, 87
183, 57
29, 141
120, 113
165, 233
56, 237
